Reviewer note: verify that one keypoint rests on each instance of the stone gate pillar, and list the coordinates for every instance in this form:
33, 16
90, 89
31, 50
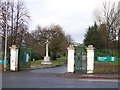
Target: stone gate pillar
90, 59
70, 61
13, 58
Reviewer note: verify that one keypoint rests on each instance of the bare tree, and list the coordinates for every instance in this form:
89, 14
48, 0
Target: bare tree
18, 19
21, 19
69, 39
3, 20
108, 15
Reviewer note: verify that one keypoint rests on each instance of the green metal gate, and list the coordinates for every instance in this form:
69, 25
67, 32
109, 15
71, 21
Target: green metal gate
80, 58
24, 62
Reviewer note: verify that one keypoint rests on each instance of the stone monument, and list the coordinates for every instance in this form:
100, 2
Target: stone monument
46, 58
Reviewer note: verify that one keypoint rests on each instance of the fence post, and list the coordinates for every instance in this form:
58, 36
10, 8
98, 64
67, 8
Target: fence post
70, 61
90, 59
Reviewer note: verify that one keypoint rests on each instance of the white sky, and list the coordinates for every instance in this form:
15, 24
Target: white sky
74, 16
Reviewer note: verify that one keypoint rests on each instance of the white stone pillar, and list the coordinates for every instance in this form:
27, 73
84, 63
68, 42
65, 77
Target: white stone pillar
90, 59
13, 58
70, 61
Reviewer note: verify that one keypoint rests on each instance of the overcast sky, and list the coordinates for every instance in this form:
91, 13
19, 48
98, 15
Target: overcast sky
74, 16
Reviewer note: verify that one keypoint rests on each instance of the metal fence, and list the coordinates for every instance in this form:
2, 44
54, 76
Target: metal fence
2, 55
111, 53
80, 59
2, 60
24, 58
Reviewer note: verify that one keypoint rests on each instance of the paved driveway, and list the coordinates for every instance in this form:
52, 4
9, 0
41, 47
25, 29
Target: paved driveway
46, 78
56, 70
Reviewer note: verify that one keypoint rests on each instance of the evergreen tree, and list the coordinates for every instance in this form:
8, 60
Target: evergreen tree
92, 36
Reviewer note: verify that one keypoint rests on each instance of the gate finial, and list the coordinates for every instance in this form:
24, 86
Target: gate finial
71, 47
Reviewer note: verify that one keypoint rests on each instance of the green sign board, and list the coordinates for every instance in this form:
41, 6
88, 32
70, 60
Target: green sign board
106, 59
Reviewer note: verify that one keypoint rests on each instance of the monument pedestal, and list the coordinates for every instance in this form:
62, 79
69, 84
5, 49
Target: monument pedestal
46, 60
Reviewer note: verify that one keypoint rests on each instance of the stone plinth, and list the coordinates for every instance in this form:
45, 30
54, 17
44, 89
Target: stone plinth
46, 60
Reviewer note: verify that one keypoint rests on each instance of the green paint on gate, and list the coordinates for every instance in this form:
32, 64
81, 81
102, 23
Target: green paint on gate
23, 65
80, 58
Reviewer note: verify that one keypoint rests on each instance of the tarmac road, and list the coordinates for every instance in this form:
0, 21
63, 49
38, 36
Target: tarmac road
46, 78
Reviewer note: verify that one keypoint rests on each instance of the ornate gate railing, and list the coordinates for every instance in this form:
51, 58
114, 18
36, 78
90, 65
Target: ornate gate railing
24, 58
80, 59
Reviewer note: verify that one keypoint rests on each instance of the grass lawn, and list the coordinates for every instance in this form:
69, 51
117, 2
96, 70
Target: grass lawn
106, 68
37, 64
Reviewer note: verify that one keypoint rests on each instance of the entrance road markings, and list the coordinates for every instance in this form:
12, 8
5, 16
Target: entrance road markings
102, 80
